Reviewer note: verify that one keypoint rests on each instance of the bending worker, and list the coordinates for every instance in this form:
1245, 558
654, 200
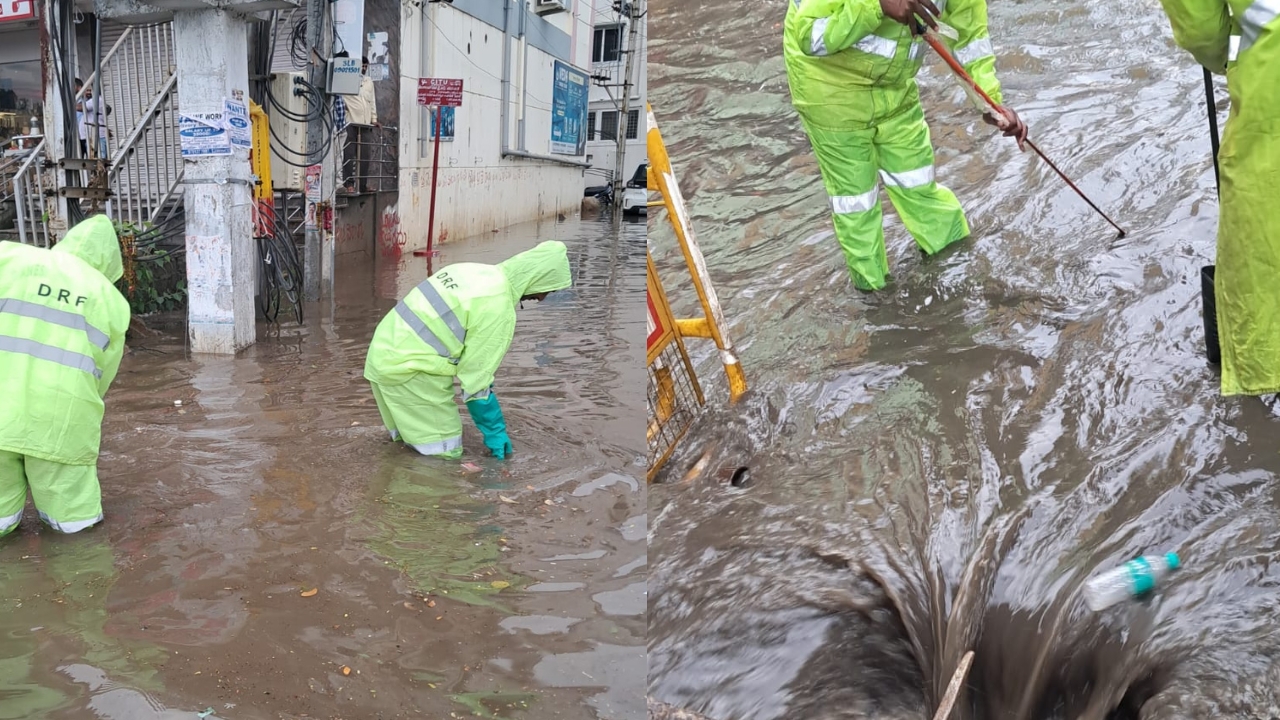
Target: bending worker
851, 66
458, 322
1247, 49
62, 329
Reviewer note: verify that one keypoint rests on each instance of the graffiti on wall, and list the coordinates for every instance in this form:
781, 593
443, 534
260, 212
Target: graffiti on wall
391, 239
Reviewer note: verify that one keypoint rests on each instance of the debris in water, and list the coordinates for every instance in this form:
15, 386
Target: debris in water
1133, 579
177, 403
206, 713
346, 670
500, 584
470, 467
506, 499
310, 593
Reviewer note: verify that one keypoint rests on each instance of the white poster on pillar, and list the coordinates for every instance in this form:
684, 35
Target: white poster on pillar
348, 25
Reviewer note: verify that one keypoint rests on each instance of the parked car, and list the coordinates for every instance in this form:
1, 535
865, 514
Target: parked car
635, 197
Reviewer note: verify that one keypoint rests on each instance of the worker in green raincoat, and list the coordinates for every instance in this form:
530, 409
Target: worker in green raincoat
62, 329
851, 66
458, 323
1242, 39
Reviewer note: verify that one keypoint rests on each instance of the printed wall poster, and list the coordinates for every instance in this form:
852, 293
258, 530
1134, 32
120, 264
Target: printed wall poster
569, 111
379, 56
446, 124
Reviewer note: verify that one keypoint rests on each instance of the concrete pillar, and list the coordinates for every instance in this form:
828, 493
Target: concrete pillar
212, 57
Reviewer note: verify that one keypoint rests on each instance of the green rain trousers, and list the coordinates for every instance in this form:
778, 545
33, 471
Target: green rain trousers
852, 72
1242, 39
457, 323
62, 330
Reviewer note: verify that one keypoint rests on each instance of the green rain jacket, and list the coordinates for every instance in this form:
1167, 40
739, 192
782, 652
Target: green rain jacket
839, 51
62, 328
461, 320
1242, 39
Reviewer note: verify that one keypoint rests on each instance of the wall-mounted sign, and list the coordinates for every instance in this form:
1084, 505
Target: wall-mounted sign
446, 123
379, 57
17, 10
569, 111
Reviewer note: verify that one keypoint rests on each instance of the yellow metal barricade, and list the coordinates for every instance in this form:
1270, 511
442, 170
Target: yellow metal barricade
674, 394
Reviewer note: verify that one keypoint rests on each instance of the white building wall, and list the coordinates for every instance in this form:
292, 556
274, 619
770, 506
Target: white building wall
480, 190
603, 153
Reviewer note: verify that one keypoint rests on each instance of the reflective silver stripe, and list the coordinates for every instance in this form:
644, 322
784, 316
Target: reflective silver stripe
395, 435
482, 395
443, 310
7, 523
845, 204
1260, 14
1233, 48
818, 43
876, 45
975, 51
439, 448
942, 5
13, 306
41, 351
420, 328
70, 527
910, 178
917, 48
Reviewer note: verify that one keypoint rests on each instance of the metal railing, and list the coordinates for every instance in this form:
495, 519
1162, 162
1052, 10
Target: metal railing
32, 203
370, 159
146, 172
134, 71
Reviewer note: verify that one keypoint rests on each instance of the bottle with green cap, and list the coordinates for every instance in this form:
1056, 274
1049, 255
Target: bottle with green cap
1136, 577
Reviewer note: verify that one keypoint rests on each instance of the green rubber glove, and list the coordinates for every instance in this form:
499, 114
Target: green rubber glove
487, 415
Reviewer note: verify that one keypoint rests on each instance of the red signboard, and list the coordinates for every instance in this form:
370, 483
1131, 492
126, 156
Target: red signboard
17, 10
435, 91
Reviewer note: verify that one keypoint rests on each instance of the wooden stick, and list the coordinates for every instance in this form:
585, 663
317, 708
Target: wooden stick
953, 690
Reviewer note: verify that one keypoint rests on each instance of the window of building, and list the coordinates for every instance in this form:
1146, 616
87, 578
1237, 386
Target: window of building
607, 45
608, 125
591, 125
633, 124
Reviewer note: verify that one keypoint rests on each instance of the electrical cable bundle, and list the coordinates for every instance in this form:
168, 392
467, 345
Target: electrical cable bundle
317, 109
281, 269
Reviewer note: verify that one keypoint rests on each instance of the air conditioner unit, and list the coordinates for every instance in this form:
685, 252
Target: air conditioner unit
293, 134
549, 7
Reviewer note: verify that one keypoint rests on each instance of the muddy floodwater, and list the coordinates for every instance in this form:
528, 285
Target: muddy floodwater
939, 466
269, 553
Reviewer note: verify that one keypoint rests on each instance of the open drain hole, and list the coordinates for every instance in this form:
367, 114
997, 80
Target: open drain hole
738, 476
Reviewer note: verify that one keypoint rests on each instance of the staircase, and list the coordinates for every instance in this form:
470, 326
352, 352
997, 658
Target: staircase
140, 86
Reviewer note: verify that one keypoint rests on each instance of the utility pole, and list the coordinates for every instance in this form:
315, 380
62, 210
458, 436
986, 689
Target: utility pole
633, 13
318, 40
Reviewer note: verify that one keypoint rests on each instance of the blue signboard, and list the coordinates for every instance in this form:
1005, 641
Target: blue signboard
569, 111
447, 123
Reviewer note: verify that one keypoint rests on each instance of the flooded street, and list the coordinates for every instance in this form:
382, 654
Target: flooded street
269, 553
938, 467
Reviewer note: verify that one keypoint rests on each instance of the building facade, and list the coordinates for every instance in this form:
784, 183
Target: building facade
516, 148
608, 71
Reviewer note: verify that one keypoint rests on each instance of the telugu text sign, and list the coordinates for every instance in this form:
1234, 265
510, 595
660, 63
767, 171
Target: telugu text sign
440, 91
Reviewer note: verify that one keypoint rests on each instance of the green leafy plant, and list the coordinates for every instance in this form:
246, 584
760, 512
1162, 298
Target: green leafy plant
144, 277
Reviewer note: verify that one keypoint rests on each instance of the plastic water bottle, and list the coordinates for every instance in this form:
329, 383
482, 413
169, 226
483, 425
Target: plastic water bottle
1132, 579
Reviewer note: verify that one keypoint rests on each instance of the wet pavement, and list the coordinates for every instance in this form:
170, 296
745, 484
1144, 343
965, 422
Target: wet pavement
939, 466
269, 553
